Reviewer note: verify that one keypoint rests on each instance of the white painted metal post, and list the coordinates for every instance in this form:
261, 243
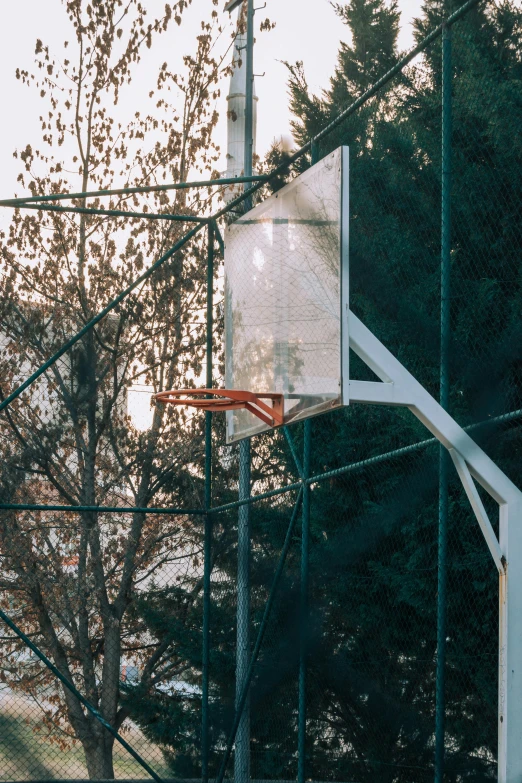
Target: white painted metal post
510, 646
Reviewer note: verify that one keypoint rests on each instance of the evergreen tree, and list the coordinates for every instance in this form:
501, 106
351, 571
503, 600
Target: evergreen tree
374, 27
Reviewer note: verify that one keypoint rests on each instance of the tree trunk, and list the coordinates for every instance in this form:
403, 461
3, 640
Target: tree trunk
98, 757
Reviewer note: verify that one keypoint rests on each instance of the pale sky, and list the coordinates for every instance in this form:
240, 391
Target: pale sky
307, 30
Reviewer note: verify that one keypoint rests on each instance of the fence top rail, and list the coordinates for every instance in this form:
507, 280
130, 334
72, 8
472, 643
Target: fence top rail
100, 509
45, 206
128, 191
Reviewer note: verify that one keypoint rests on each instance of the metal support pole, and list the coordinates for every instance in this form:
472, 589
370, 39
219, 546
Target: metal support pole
249, 98
260, 636
305, 538
510, 647
205, 743
242, 755
205, 739
444, 401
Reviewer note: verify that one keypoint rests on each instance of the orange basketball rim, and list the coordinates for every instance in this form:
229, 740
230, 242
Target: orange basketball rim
228, 400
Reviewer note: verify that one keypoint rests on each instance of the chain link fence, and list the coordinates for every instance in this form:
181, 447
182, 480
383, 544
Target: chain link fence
334, 668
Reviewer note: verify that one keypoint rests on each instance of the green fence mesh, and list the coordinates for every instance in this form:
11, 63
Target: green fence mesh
116, 599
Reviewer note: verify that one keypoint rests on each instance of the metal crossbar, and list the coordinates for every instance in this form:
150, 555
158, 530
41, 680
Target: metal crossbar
207, 183
111, 212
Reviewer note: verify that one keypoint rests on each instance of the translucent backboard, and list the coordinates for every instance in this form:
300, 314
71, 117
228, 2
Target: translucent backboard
286, 297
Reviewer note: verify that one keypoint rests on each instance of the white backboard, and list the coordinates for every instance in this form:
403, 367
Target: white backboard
286, 297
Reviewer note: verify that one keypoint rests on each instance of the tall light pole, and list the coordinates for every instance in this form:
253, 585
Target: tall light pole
242, 749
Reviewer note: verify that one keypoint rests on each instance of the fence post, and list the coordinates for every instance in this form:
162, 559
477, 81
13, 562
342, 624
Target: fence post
205, 743
242, 755
305, 540
440, 703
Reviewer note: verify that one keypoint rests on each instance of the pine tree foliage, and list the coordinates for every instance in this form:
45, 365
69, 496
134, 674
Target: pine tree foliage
374, 27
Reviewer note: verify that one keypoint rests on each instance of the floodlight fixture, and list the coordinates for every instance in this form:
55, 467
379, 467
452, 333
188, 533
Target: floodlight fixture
232, 5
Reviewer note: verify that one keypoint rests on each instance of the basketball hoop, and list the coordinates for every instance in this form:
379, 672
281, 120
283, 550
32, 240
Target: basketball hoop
228, 400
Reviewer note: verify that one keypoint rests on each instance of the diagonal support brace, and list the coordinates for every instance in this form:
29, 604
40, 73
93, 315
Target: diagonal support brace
479, 510
74, 690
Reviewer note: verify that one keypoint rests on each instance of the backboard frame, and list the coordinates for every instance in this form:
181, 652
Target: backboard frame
254, 215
